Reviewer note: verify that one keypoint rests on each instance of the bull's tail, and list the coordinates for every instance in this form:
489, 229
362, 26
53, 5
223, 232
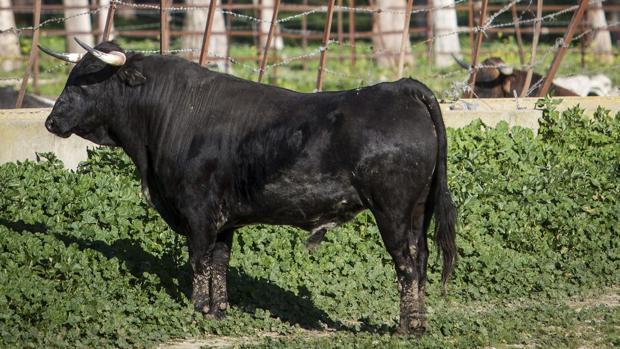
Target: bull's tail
440, 201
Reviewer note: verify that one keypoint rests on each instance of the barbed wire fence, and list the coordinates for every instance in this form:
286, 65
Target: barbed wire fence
458, 87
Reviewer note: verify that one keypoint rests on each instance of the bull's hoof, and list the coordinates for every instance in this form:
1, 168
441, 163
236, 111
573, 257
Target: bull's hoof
217, 312
411, 328
202, 307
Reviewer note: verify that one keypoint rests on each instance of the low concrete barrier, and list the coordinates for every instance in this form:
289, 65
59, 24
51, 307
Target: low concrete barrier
22, 131
23, 134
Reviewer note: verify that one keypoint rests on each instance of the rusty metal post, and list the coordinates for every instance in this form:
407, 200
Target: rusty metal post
259, 30
207, 35
35, 74
537, 29
568, 37
304, 34
515, 19
34, 51
164, 16
429, 31
340, 29
474, 61
324, 44
256, 30
470, 23
108, 21
272, 26
352, 31
229, 37
404, 39
582, 41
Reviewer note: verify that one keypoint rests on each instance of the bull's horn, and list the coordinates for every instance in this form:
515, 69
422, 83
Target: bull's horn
115, 58
460, 62
67, 57
505, 69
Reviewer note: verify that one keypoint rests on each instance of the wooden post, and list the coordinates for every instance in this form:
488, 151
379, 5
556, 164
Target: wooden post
340, 29
404, 39
537, 29
34, 51
304, 34
429, 31
228, 30
324, 44
259, 30
109, 21
207, 35
515, 19
582, 40
568, 37
470, 23
272, 26
352, 31
474, 61
164, 40
35, 74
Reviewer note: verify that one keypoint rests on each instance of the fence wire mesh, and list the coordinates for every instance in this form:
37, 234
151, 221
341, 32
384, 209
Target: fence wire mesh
458, 77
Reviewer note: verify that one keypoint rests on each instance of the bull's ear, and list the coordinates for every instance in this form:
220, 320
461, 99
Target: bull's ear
132, 76
131, 73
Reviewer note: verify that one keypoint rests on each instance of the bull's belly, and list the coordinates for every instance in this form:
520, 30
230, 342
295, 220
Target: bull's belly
307, 205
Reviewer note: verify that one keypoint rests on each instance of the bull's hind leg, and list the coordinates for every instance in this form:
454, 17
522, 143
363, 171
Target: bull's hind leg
393, 208
422, 214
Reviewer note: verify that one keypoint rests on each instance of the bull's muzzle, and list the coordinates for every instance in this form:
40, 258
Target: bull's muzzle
51, 124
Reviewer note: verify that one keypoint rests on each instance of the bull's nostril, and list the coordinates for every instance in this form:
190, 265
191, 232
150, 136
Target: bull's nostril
49, 123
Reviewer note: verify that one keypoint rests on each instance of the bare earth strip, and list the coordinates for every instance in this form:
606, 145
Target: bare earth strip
609, 297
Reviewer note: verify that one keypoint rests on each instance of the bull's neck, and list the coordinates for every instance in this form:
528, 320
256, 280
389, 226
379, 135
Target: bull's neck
144, 123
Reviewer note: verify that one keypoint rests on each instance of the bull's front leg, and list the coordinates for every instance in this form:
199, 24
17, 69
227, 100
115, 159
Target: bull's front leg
219, 283
201, 244
209, 256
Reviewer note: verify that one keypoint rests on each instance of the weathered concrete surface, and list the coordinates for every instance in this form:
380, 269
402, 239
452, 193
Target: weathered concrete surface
493, 104
22, 134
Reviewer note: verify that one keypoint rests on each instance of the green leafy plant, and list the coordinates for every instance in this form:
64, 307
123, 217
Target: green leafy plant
84, 262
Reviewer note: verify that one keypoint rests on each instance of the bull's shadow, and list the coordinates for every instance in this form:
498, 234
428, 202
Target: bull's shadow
245, 291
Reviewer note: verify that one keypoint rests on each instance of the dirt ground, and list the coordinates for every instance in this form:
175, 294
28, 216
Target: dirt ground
609, 298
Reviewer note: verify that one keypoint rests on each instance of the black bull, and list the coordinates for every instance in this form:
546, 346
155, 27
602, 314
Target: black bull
215, 153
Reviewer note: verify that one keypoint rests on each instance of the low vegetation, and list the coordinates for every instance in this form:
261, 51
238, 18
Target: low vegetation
85, 263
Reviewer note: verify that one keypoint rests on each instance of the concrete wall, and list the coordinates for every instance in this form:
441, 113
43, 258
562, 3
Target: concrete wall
22, 131
22, 134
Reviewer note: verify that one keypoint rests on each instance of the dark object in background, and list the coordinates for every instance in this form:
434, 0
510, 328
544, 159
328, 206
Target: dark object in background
8, 97
496, 79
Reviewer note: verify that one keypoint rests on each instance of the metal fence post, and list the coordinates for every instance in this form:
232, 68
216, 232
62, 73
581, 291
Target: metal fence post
324, 44
207, 35
34, 51
583, 4
108, 21
474, 62
272, 25
537, 29
404, 39
164, 41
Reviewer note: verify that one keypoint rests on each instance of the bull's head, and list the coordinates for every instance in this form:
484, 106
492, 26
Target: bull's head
83, 107
493, 79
